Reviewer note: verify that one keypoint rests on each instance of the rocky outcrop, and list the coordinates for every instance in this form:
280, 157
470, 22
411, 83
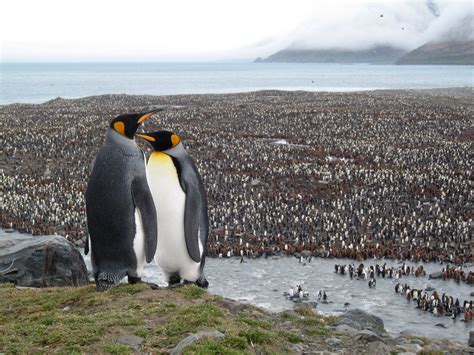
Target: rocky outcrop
360, 320
45, 261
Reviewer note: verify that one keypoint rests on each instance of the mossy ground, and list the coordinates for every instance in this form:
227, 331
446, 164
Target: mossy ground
79, 320
75, 320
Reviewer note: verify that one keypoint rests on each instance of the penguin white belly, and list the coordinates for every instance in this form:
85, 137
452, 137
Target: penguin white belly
171, 252
139, 244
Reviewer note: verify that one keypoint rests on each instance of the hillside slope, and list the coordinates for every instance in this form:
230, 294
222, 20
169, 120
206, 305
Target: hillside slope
449, 53
375, 55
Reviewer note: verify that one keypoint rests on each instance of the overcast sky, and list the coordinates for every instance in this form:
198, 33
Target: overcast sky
147, 30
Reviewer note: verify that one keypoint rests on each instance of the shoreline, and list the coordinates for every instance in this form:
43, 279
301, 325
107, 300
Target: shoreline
451, 91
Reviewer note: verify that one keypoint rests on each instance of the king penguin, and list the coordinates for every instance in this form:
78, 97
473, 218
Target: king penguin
121, 215
181, 207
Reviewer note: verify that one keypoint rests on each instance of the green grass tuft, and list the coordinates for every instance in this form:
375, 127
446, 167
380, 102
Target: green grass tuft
205, 347
255, 322
194, 318
304, 311
114, 348
290, 336
128, 289
257, 336
191, 291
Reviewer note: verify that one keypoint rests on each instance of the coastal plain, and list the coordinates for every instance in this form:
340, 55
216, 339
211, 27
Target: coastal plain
384, 174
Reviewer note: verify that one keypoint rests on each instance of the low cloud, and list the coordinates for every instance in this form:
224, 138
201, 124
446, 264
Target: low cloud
363, 25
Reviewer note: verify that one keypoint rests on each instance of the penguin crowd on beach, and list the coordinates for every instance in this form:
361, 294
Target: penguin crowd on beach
368, 175
458, 274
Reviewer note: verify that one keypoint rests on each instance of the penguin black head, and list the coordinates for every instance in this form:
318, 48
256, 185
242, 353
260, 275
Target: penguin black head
127, 124
161, 140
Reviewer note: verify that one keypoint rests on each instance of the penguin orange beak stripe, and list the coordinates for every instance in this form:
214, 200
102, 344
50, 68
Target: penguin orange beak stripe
145, 117
144, 136
148, 115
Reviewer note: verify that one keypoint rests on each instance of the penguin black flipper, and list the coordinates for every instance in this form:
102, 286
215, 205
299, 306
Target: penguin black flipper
196, 223
144, 202
86, 246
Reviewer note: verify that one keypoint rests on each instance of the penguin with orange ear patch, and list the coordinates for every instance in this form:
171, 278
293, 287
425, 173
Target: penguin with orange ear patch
181, 208
121, 215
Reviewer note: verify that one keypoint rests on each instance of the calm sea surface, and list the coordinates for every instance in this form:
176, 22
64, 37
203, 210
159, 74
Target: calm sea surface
36, 83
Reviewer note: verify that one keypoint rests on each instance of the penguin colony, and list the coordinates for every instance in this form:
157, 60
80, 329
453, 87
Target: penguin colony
457, 274
360, 175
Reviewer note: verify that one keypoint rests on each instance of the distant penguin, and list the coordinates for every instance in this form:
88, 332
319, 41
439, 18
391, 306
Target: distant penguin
121, 215
372, 282
291, 292
397, 288
181, 206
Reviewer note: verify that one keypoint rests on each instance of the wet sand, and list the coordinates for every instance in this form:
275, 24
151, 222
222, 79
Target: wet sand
355, 175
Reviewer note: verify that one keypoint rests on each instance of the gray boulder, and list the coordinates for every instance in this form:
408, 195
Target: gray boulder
367, 336
378, 347
45, 261
471, 338
360, 320
345, 329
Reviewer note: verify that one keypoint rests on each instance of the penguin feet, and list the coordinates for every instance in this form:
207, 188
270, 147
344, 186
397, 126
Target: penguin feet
105, 281
134, 280
202, 282
101, 286
174, 281
153, 286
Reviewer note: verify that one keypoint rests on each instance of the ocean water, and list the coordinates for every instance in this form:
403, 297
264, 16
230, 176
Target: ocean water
39, 82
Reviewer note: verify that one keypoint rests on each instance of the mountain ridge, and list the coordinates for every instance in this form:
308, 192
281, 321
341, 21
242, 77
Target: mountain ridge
374, 55
441, 53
